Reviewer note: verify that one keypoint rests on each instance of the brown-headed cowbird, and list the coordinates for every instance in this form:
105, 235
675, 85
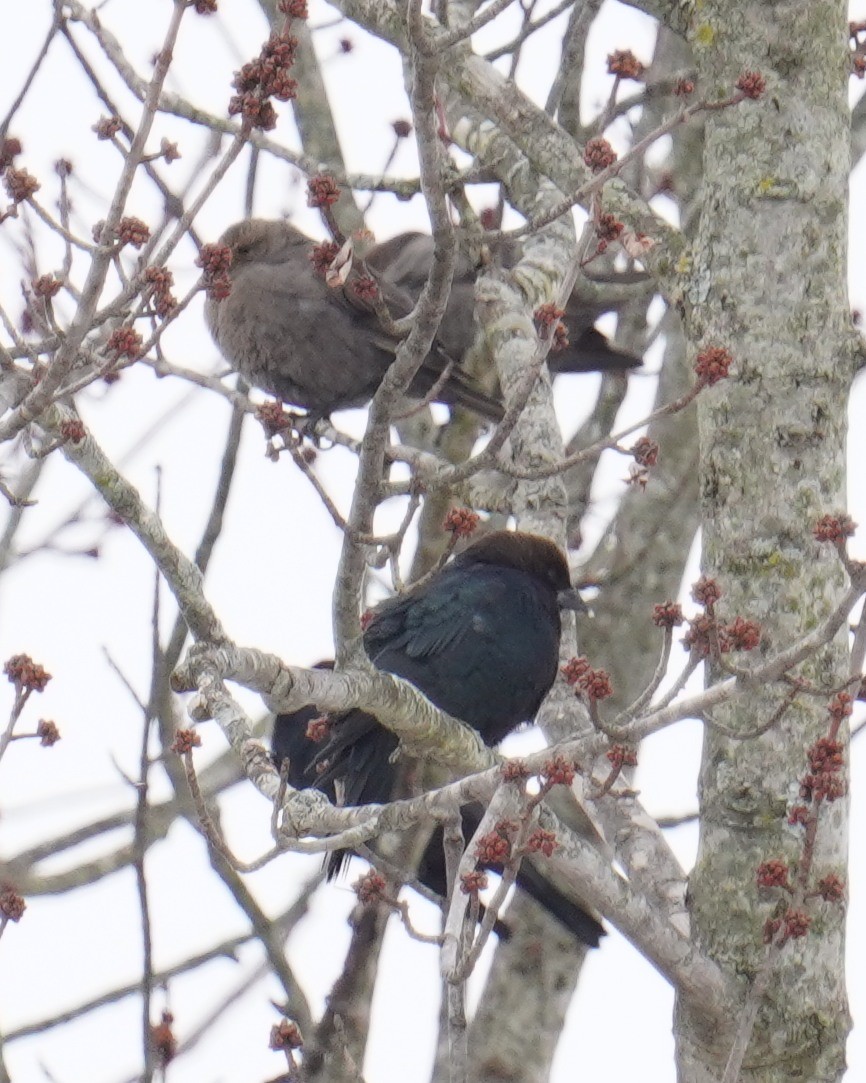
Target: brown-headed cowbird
312, 345
405, 261
308, 768
480, 638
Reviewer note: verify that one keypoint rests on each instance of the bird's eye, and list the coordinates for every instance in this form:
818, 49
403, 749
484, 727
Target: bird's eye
243, 249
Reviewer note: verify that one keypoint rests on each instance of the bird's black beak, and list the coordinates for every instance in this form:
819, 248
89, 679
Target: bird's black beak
571, 599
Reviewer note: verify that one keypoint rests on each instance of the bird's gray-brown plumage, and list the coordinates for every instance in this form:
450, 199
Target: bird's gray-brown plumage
311, 345
405, 261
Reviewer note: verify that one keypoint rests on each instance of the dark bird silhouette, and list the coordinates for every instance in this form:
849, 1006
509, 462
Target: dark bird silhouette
405, 261
307, 768
480, 638
311, 345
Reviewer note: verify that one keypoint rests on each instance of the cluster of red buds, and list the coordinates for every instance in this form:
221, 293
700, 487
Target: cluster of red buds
558, 771
546, 317
740, 634
461, 522
595, 684
712, 365
541, 842
19, 184
318, 729
264, 78
322, 191
823, 781
668, 615
27, 675
608, 228
163, 1039
645, 452
625, 65
515, 771
215, 261
124, 341
10, 148
706, 592
72, 430
365, 287
107, 127
473, 882
835, 529
773, 874
133, 231
293, 9
274, 417
322, 256
47, 732
598, 154
370, 887
791, 925
622, 756
286, 1035
494, 848
12, 905
46, 286
751, 84
159, 281
185, 741
549, 317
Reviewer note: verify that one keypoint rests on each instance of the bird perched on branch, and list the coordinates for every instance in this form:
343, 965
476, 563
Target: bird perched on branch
314, 345
290, 742
480, 639
405, 261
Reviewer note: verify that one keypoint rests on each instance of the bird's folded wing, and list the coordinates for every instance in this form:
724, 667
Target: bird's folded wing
429, 623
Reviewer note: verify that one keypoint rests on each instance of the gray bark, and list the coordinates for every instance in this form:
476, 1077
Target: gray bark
768, 283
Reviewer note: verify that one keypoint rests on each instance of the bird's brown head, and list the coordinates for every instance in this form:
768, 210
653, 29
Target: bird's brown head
264, 240
529, 553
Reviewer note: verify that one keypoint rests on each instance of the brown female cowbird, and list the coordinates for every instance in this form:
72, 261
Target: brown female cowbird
312, 345
405, 261
307, 767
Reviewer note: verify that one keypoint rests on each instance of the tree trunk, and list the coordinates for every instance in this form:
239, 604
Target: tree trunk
768, 282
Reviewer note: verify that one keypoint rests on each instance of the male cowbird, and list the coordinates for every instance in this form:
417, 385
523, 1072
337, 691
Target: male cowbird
480, 638
312, 345
405, 261
307, 768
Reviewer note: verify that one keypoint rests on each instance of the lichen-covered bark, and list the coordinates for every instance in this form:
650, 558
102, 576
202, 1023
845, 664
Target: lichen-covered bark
642, 561
768, 282
514, 1037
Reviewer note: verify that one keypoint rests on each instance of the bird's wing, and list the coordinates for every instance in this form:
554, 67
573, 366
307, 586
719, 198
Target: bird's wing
429, 622
358, 754
591, 351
